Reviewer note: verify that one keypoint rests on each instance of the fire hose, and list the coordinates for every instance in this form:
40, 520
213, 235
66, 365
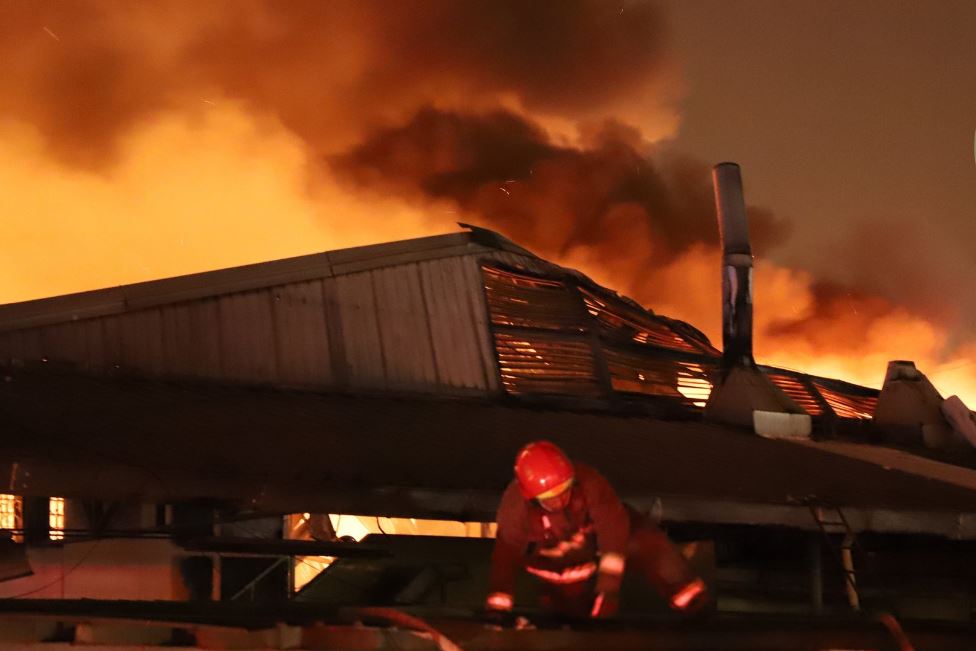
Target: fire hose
416, 624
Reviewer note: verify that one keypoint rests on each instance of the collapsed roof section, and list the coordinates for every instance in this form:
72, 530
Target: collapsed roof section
560, 334
465, 314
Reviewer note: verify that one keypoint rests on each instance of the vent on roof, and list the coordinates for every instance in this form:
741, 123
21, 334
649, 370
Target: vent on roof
633, 371
847, 405
619, 321
543, 362
798, 391
694, 384
527, 302
556, 337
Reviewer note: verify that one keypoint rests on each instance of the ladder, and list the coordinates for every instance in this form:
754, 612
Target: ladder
832, 522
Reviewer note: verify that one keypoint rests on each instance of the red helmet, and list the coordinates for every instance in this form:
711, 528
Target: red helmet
541, 469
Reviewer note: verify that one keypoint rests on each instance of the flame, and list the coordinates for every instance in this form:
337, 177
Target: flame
222, 187
853, 344
358, 527
147, 142
215, 188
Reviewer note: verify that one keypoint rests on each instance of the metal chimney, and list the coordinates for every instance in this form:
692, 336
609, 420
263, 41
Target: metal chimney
744, 395
733, 230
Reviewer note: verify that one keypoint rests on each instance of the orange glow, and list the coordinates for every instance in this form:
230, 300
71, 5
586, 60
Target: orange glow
142, 142
213, 189
56, 518
11, 515
692, 385
358, 527
854, 343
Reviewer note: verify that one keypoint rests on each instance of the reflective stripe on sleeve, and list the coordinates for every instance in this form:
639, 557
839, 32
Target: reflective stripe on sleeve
687, 594
597, 605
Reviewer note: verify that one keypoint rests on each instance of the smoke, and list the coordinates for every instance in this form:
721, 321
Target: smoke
84, 73
163, 137
605, 194
640, 222
187, 194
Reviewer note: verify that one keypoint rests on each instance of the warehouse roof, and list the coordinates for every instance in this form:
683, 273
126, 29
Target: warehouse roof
533, 329
124, 438
137, 296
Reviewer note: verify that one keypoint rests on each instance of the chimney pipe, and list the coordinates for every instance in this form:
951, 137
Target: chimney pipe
744, 394
736, 267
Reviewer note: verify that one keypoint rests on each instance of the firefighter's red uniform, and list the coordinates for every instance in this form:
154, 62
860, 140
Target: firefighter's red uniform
580, 545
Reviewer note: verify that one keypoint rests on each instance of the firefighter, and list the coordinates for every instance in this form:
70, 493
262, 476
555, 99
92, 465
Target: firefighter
563, 523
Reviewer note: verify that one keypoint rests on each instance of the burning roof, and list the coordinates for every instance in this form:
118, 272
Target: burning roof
463, 314
216, 385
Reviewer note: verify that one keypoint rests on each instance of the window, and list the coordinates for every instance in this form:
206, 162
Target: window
540, 335
358, 527
11, 515
693, 383
55, 518
556, 337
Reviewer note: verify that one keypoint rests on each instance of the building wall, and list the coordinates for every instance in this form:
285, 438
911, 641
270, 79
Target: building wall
110, 568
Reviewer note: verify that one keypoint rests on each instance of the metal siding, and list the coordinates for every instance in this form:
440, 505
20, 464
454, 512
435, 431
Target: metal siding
141, 339
537, 361
533, 265
517, 300
404, 328
337, 340
478, 306
65, 342
848, 405
26, 345
361, 336
191, 339
247, 342
455, 329
301, 334
797, 390
94, 333
211, 284
112, 339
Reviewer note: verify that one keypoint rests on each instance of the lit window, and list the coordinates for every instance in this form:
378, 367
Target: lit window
357, 527
693, 384
11, 515
55, 519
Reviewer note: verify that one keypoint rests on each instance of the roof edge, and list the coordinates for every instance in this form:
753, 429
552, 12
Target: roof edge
206, 284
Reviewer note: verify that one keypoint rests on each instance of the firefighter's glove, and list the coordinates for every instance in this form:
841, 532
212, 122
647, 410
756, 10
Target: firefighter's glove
606, 604
608, 579
498, 610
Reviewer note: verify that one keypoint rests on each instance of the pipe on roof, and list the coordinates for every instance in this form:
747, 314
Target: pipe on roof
744, 396
733, 230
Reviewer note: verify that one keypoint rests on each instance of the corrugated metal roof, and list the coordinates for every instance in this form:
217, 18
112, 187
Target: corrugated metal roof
555, 331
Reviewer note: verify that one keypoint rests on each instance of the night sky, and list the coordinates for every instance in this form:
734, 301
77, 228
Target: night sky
855, 121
